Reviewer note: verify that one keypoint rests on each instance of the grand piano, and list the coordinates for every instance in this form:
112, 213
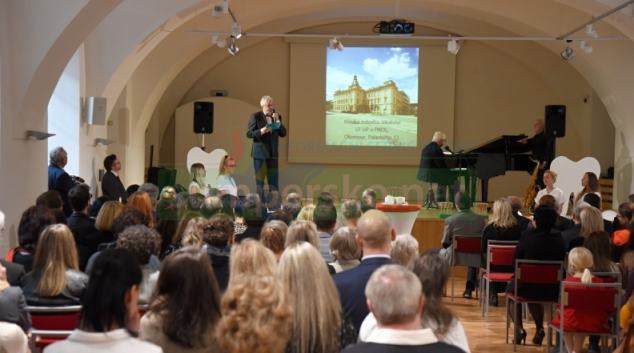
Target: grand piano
488, 160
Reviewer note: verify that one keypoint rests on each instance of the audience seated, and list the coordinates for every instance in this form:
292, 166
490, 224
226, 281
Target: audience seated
179, 325
574, 232
211, 206
254, 219
79, 223
293, 197
281, 215
351, 211
433, 272
516, 207
152, 191
325, 218
624, 214
396, 300
273, 237
195, 202
51, 199
167, 223
256, 316
302, 231
96, 206
13, 307
616, 224
109, 316
177, 241
142, 202
14, 272
181, 204
168, 192
591, 221
404, 249
464, 222
33, 220
143, 242
60, 217
306, 214
562, 223
131, 190
368, 203
594, 200
318, 324
375, 234
345, 249
218, 237
252, 258
55, 279
292, 206
626, 262
541, 243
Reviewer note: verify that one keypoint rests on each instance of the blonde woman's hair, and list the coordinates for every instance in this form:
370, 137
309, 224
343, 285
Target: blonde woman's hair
502, 216
351, 209
193, 232
256, 316
196, 172
580, 259
552, 174
343, 244
316, 323
252, 258
109, 211
302, 231
404, 249
221, 169
306, 214
56, 252
273, 236
591, 221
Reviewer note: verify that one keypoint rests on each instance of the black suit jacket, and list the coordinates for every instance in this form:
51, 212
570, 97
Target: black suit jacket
82, 226
432, 167
15, 272
351, 286
59, 180
112, 187
264, 146
536, 244
522, 221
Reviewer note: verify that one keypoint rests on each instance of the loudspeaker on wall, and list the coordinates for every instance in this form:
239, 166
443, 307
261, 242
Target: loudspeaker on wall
203, 117
555, 120
95, 110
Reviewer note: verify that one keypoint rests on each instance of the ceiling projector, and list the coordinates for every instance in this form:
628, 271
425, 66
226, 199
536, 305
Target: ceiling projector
396, 28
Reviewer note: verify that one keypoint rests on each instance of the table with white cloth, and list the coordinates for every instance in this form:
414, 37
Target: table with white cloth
402, 216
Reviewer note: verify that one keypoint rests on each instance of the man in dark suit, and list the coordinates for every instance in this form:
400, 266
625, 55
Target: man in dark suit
111, 185
433, 168
541, 148
375, 235
516, 206
58, 179
79, 223
265, 145
15, 272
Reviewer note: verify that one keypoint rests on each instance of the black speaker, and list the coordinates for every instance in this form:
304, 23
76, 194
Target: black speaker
203, 117
555, 121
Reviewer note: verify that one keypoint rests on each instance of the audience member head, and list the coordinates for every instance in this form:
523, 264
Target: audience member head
343, 244
182, 225
109, 211
128, 217
576, 211
368, 203
186, 322
132, 189
306, 214
198, 174
325, 217
112, 294
593, 200
214, 192
254, 217
60, 217
375, 232
351, 210
293, 207
141, 201
549, 200
256, 316
56, 253
252, 258
281, 215
58, 157
193, 234
625, 213
181, 204
394, 296
168, 192
544, 217
229, 203
251, 200
152, 191
369, 192
591, 221
273, 237
516, 203
141, 241
502, 216
462, 201
211, 206
326, 198
404, 249
51, 199
218, 233
195, 202
293, 197
580, 260
599, 245
166, 210
302, 231
33, 220
96, 206
79, 198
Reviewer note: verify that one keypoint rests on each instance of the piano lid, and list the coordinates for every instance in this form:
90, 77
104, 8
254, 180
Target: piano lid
500, 144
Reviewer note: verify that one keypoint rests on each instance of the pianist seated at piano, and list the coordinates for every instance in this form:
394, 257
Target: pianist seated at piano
432, 167
550, 178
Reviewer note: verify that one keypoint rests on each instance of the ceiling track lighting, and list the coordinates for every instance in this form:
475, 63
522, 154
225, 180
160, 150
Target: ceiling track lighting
220, 42
232, 48
221, 9
568, 53
453, 46
335, 43
591, 32
236, 30
587, 48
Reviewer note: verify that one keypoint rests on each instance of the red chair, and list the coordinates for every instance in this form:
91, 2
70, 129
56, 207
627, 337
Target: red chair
497, 255
52, 324
483, 270
602, 297
532, 272
465, 244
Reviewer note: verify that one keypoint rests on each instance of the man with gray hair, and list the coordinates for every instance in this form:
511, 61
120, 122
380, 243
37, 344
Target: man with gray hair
432, 167
394, 296
375, 235
574, 232
265, 128
516, 206
58, 179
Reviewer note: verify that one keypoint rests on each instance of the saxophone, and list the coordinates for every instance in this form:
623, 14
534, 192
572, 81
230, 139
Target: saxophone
532, 189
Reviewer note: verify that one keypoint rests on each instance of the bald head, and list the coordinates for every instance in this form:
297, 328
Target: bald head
516, 203
538, 125
375, 229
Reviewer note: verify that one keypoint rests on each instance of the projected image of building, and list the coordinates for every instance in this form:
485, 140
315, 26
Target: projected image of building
382, 100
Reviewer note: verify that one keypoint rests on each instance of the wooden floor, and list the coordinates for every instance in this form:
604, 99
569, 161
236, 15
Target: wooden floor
489, 336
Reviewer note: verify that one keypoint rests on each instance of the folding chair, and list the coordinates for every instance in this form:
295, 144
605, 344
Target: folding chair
52, 324
465, 244
532, 272
497, 255
483, 270
602, 297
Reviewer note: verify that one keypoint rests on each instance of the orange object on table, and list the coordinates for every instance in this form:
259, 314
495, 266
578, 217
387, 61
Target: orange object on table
397, 208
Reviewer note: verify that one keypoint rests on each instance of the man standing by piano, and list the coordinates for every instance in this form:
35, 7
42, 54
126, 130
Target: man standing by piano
432, 167
539, 144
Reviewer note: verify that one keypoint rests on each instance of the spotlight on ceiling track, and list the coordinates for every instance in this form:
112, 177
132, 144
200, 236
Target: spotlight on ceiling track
221, 9
587, 48
335, 43
591, 32
232, 48
220, 42
236, 30
453, 46
568, 53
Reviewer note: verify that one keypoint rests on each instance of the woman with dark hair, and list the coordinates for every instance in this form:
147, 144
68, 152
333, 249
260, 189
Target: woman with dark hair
598, 242
110, 316
33, 220
545, 244
177, 240
624, 214
167, 222
590, 184
218, 237
179, 325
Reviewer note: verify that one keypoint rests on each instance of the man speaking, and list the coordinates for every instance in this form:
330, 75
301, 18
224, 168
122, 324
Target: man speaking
265, 128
